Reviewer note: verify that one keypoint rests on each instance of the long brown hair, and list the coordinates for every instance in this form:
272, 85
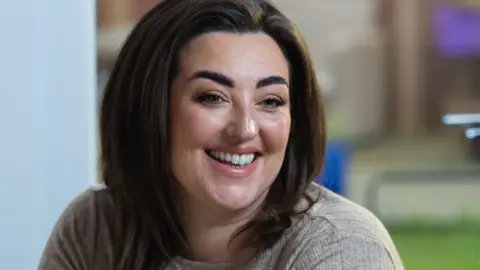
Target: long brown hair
135, 126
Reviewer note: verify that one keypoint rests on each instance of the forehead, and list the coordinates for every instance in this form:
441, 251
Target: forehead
240, 56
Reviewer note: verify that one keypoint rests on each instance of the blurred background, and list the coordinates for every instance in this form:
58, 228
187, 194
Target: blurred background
401, 82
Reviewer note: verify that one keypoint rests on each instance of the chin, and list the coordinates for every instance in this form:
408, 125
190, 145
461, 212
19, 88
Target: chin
236, 198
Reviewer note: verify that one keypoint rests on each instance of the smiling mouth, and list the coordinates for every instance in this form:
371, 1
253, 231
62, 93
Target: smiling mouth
232, 159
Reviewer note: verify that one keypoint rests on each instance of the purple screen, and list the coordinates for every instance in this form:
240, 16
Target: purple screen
456, 31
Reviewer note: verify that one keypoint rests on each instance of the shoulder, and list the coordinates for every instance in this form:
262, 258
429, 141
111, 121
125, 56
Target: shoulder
339, 234
344, 216
80, 238
94, 198
87, 209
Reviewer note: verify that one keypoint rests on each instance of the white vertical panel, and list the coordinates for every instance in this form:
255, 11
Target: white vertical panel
47, 119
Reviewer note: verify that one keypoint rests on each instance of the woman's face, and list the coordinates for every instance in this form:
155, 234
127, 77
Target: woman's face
230, 115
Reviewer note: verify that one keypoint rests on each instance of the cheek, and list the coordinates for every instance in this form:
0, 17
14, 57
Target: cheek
195, 126
275, 132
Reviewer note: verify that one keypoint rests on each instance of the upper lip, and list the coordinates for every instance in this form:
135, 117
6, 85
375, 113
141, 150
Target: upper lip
238, 150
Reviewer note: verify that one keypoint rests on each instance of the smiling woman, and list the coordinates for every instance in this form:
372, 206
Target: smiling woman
236, 109
212, 131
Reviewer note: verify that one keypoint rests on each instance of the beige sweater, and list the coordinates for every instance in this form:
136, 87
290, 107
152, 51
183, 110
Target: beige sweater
335, 234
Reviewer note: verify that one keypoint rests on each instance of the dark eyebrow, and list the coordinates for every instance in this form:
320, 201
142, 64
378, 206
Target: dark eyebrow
226, 81
272, 80
213, 76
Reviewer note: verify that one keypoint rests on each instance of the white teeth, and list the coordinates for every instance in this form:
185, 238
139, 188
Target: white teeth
234, 159
243, 160
250, 159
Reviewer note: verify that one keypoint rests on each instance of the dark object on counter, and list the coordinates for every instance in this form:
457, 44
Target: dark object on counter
473, 136
470, 123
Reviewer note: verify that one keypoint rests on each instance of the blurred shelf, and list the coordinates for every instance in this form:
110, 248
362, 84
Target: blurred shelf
463, 120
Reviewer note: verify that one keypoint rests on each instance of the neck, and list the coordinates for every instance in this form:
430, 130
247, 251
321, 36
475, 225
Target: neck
210, 232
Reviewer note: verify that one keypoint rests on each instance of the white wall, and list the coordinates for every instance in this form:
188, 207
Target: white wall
47, 119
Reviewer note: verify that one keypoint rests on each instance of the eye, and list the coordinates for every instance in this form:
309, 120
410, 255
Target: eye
273, 102
210, 98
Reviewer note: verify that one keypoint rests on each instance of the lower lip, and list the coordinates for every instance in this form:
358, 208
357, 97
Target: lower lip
232, 172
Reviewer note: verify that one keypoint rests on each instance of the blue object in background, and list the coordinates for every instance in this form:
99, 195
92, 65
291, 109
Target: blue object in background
335, 169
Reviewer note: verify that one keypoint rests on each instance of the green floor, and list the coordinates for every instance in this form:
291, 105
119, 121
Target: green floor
452, 250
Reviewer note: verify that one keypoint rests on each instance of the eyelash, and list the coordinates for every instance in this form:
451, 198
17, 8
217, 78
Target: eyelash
279, 102
214, 99
206, 98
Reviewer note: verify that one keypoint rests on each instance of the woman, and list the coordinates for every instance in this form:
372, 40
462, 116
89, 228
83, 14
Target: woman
212, 130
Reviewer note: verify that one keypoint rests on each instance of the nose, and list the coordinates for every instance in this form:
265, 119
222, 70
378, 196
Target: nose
242, 127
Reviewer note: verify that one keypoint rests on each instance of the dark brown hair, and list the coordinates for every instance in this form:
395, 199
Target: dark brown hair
135, 126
